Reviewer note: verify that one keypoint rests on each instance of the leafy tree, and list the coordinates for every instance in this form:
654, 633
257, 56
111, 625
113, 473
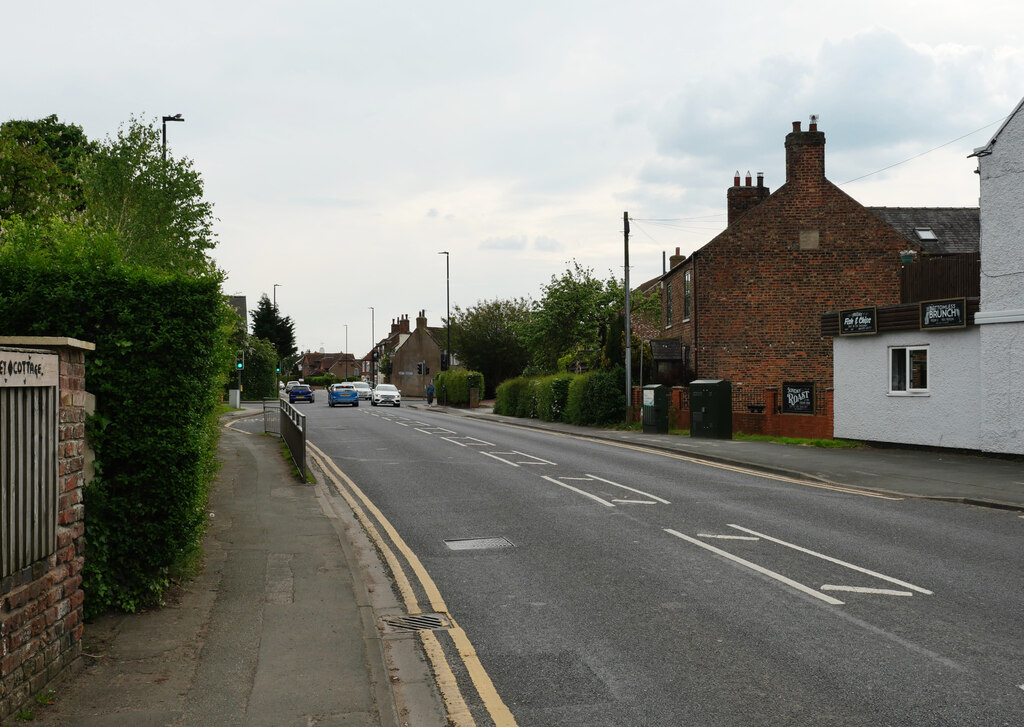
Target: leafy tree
39, 163
490, 338
569, 316
259, 377
268, 324
154, 206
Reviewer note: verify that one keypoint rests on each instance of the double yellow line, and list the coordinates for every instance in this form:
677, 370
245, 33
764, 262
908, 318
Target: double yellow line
370, 517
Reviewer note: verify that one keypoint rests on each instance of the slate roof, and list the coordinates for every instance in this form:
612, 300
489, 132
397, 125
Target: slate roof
957, 229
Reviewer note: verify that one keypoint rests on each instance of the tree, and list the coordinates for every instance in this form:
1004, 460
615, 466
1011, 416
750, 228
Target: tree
154, 206
39, 168
268, 324
572, 320
490, 338
259, 376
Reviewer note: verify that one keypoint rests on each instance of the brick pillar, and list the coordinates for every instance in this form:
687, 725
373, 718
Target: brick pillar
41, 604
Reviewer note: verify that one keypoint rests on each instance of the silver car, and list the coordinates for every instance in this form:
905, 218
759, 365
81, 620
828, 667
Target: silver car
386, 394
365, 392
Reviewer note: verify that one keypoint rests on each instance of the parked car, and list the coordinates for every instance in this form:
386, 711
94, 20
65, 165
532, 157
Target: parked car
364, 389
386, 394
291, 385
301, 392
344, 393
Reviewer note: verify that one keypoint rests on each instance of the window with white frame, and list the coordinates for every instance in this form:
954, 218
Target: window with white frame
908, 370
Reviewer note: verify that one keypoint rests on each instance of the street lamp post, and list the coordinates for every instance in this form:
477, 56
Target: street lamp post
448, 305
176, 117
373, 349
276, 286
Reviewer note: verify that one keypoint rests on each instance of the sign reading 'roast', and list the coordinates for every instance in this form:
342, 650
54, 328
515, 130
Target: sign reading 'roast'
798, 397
858, 321
944, 313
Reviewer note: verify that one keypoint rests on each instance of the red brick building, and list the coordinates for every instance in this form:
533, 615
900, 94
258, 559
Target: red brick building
746, 307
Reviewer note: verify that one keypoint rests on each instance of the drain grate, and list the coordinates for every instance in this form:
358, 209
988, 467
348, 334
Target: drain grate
418, 622
478, 543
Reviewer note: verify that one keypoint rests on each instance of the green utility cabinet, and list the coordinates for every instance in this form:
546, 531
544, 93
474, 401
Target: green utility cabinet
711, 408
655, 409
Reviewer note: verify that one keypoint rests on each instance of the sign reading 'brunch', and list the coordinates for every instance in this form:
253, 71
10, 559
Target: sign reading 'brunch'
944, 313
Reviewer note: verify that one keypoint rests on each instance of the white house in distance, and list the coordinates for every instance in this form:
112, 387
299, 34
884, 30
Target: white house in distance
955, 376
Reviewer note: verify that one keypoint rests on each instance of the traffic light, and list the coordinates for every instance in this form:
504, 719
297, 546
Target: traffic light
419, 367
426, 369
240, 360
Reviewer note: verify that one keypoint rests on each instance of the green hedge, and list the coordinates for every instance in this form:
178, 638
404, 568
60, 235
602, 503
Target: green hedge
592, 399
157, 373
456, 384
552, 396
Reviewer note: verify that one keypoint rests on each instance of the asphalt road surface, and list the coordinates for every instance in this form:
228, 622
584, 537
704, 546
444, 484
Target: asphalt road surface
606, 585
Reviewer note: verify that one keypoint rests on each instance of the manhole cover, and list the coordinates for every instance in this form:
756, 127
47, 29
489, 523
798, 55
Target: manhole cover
418, 622
478, 543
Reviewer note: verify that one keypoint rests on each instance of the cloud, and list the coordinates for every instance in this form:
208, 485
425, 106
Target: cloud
504, 243
547, 244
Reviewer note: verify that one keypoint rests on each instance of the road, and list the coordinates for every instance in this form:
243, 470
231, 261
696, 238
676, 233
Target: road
593, 584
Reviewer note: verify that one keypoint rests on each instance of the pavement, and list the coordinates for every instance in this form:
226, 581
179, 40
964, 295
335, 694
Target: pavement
281, 627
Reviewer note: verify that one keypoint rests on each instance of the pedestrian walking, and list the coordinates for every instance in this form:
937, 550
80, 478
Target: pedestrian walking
430, 394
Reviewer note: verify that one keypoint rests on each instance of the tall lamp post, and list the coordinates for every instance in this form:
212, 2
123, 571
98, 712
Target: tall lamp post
176, 117
276, 286
373, 350
448, 304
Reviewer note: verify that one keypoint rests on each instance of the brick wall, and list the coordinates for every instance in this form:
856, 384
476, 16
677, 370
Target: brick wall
41, 605
761, 286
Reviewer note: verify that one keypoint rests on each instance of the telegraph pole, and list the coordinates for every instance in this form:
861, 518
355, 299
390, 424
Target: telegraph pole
629, 333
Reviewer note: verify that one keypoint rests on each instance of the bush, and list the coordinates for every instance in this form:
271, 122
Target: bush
552, 395
509, 394
322, 381
597, 398
157, 373
455, 385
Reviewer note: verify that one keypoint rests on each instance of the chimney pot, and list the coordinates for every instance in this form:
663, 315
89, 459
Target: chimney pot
736, 179
748, 178
796, 126
760, 179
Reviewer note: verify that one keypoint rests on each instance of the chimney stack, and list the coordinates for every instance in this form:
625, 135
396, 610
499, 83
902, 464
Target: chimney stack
674, 260
805, 155
740, 199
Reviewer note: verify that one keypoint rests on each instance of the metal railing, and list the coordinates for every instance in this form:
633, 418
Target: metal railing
293, 431
28, 476
272, 416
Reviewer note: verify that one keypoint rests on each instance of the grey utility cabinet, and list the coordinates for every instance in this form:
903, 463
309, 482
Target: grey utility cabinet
655, 409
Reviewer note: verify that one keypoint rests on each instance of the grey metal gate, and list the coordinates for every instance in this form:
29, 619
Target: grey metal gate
28, 458
271, 416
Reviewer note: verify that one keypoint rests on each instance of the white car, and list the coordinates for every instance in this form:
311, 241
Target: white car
364, 389
386, 394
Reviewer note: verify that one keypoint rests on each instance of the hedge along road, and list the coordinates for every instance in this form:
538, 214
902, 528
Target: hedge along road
635, 588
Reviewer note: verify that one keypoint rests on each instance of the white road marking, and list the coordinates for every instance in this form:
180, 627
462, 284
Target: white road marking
635, 502
763, 571
531, 459
624, 487
830, 559
435, 430
861, 589
471, 442
576, 490
727, 537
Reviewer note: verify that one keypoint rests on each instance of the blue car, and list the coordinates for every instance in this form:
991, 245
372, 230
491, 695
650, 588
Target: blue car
301, 392
338, 394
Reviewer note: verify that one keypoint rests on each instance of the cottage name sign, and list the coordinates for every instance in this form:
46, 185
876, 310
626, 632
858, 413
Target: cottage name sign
944, 314
22, 368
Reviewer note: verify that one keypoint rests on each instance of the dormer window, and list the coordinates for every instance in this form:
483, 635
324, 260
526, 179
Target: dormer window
926, 234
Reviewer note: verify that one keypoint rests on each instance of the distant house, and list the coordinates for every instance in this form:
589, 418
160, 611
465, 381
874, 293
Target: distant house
342, 365
416, 359
946, 369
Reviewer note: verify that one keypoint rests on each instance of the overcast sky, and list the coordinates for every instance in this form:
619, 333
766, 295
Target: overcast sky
344, 144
